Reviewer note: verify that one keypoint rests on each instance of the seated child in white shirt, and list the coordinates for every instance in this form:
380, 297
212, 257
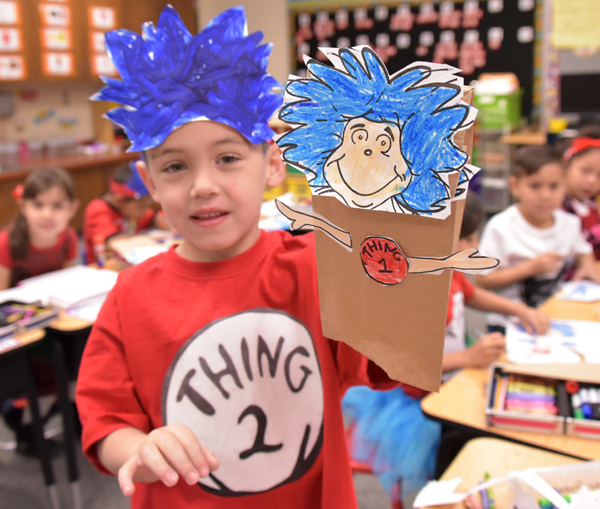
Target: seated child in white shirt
535, 241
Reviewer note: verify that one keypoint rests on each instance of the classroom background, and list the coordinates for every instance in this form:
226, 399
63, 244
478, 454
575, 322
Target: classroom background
535, 67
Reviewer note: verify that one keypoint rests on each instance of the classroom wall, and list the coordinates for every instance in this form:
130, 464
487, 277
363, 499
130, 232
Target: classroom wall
268, 16
49, 110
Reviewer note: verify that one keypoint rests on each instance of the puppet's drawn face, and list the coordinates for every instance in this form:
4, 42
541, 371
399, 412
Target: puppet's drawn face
368, 167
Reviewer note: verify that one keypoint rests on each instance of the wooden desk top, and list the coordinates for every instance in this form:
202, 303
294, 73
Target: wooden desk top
498, 458
11, 343
462, 399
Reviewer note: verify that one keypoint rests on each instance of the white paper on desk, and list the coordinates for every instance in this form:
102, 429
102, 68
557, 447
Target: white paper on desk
68, 287
565, 343
87, 310
580, 291
443, 492
143, 253
20, 294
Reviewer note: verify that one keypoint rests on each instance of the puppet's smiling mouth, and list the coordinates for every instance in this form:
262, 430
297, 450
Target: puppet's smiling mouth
402, 178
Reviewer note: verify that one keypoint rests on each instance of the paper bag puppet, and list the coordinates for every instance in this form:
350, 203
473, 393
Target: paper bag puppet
387, 161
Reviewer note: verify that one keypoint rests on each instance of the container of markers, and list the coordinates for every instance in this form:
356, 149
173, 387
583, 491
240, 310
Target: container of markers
17, 317
550, 399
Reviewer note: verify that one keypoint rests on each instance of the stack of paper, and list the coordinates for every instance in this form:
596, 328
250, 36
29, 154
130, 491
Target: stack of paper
580, 291
67, 287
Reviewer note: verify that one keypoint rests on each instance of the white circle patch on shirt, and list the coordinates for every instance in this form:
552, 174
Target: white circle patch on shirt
250, 387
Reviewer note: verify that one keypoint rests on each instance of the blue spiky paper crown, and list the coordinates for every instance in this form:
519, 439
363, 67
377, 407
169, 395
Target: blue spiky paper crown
170, 78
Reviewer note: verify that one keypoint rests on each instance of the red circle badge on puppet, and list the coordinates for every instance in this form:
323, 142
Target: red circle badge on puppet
383, 260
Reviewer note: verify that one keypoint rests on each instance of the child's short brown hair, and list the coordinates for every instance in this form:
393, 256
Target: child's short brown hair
529, 159
473, 216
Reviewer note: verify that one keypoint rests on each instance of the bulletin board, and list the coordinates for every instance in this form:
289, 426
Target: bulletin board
476, 36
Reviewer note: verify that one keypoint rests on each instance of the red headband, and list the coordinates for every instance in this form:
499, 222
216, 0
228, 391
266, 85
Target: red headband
121, 189
579, 145
17, 192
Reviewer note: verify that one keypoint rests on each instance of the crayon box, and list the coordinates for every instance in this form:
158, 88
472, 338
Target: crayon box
556, 399
17, 317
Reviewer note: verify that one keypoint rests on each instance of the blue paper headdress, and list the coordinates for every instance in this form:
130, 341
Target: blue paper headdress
423, 100
170, 78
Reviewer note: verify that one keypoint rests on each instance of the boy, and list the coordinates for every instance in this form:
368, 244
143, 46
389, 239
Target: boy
488, 347
216, 343
535, 241
124, 209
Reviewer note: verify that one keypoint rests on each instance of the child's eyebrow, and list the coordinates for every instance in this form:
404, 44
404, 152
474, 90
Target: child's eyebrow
357, 126
388, 130
231, 139
162, 152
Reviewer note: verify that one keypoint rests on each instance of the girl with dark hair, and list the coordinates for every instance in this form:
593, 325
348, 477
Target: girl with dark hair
583, 183
39, 239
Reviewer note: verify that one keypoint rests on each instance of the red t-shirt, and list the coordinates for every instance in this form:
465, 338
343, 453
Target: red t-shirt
40, 261
101, 218
234, 350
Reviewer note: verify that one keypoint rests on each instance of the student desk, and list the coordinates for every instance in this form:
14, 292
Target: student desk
16, 379
498, 458
461, 401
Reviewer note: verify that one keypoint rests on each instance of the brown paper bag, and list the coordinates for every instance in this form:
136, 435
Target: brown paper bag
401, 327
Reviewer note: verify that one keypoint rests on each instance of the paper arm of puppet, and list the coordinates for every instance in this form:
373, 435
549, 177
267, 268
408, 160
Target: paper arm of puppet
464, 261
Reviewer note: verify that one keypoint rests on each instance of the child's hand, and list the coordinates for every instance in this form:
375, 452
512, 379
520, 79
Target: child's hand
165, 454
488, 349
547, 263
534, 321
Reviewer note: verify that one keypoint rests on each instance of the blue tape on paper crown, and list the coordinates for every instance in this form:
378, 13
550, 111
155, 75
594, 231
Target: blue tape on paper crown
170, 78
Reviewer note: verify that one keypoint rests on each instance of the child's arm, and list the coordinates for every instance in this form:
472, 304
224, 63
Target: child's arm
4, 277
498, 278
162, 455
533, 320
587, 268
486, 350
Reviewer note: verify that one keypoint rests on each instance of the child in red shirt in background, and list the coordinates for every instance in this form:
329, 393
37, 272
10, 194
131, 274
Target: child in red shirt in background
583, 183
125, 209
390, 431
40, 239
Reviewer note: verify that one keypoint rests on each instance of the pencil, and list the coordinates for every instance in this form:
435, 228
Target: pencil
490, 493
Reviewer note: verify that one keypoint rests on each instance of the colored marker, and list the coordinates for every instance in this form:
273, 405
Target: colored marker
593, 395
576, 403
490, 493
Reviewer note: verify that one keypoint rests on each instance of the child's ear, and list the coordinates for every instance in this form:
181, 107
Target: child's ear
275, 166
144, 172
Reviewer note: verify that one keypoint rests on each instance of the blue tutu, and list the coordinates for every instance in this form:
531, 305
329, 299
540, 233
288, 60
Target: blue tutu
393, 436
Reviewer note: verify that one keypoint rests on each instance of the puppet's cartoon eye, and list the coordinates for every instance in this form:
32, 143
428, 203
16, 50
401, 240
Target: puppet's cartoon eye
360, 136
384, 143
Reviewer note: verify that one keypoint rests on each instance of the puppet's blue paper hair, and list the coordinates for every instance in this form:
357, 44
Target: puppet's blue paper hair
170, 78
427, 114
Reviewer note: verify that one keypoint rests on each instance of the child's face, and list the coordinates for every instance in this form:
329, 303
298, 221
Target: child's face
540, 194
368, 167
48, 214
583, 175
210, 181
133, 208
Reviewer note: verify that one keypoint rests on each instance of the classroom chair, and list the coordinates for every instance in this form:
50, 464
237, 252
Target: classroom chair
16, 379
359, 467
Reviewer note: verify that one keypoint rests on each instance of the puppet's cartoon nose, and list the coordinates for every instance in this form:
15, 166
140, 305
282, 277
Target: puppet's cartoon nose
368, 152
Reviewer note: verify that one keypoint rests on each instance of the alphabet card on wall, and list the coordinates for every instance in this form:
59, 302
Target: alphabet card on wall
386, 157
